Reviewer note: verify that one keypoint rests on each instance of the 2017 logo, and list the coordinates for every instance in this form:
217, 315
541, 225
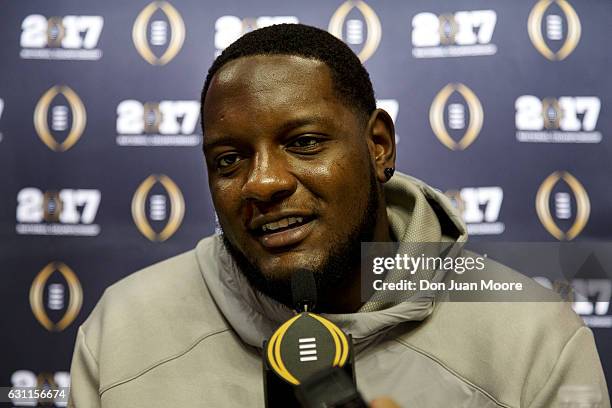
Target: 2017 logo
554, 29
230, 28
461, 34
58, 280
60, 106
557, 120
479, 208
164, 123
569, 201
52, 212
591, 299
61, 38
29, 379
155, 193
158, 47
456, 113
363, 30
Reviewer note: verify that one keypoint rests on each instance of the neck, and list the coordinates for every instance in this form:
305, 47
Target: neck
350, 301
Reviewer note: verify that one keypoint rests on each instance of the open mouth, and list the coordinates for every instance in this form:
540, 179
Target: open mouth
284, 232
281, 225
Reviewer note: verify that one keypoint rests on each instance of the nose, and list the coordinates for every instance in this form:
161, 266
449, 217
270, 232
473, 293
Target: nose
269, 179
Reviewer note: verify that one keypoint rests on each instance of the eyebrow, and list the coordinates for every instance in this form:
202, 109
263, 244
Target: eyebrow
213, 141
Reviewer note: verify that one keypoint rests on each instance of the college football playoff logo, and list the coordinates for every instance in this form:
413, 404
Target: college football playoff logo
55, 299
158, 38
455, 112
563, 205
354, 28
157, 204
553, 29
59, 115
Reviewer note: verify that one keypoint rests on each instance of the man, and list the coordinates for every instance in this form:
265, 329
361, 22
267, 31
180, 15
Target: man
300, 166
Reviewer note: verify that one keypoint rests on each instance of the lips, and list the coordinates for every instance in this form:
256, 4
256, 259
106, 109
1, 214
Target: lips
287, 236
282, 230
288, 222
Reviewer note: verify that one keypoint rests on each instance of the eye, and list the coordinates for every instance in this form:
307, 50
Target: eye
306, 142
227, 160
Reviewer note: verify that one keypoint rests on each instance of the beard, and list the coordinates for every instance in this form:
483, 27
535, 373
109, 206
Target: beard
339, 268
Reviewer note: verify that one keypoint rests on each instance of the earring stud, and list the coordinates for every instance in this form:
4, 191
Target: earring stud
389, 172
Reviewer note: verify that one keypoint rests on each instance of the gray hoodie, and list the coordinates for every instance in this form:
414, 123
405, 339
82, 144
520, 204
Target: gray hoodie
187, 332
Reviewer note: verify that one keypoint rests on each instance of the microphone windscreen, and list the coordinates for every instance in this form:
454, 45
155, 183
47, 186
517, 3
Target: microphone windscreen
303, 289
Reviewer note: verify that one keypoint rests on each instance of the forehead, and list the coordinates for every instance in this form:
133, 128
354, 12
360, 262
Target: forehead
269, 73
263, 87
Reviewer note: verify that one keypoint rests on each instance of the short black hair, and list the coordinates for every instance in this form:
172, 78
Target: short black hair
351, 80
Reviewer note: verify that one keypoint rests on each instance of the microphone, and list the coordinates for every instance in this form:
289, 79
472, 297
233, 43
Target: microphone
303, 290
309, 356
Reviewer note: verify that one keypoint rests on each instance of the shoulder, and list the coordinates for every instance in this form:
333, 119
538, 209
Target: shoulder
506, 349
151, 315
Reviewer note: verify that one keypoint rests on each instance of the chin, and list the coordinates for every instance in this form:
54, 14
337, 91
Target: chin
284, 265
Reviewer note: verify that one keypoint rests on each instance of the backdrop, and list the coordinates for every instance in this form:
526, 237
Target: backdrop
502, 105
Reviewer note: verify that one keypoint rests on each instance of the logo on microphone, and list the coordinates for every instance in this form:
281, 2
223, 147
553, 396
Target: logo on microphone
544, 17
361, 30
164, 123
60, 114
61, 38
52, 212
230, 28
461, 34
155, 193
557, 120
456, 113
159, 47
568, 200
294, 357
56, 291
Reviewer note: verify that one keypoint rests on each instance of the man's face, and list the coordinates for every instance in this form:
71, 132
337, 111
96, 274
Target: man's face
288, 165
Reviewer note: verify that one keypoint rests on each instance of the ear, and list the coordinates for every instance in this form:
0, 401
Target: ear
381, 142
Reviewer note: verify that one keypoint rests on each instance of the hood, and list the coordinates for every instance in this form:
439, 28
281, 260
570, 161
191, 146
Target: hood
416, 212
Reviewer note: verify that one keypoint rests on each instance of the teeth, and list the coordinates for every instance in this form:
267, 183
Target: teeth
285, 222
